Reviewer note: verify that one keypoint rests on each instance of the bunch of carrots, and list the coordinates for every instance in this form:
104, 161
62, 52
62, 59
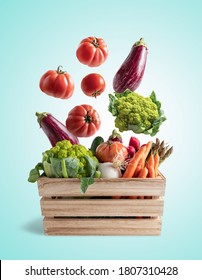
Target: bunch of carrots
145, 162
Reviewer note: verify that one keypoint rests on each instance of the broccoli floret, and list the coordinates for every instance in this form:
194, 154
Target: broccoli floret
136, 112
60, 149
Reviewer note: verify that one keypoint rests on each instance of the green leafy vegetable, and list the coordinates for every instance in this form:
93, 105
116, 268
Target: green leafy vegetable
34, 173
85, 182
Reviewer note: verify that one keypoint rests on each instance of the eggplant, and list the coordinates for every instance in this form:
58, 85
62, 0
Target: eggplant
130, 74
115, 137
54, 129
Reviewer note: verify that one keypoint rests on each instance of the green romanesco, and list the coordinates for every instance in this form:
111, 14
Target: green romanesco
64, 149
136, 112
65, 160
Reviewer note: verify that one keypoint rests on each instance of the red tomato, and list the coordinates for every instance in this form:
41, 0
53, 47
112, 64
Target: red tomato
92, 51
108, 151
83, 121
57, 83
93, 85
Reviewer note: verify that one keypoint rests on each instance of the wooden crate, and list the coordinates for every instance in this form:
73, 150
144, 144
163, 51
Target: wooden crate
68, 212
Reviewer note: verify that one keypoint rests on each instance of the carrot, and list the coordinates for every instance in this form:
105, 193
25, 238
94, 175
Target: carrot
156, 163
143, 172
148, 148
150, 167
151, 172
142, 160
130, 169
151, 160
138, 168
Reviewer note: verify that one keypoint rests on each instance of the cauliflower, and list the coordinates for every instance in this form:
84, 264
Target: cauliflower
136, 112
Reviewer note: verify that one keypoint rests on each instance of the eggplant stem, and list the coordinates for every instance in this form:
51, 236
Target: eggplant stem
141, 42
40, 116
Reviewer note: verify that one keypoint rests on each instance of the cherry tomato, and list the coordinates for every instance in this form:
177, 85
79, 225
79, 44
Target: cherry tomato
92, 51
83, 121
93, 85
57, 83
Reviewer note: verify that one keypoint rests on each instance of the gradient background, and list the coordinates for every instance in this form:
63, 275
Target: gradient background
40, 35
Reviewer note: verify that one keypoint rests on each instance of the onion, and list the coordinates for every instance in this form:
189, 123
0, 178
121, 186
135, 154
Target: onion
108, 170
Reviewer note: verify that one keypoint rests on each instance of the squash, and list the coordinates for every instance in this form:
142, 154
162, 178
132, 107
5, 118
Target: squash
108, 151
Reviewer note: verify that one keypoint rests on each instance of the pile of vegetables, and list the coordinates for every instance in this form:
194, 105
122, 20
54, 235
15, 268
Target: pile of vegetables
107, 157
142, 163
146, 161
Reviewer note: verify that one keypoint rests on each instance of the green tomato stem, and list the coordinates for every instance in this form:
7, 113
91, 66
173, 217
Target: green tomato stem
88, 118
60, 71
95, 42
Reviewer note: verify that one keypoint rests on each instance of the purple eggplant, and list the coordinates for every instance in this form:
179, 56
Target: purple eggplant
115, 137
131, 72
54, 129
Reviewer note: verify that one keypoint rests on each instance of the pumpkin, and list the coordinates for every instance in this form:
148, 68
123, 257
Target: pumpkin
108, 151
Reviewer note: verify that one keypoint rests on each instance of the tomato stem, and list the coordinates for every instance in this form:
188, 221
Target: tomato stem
95, 42
88, 118
96, 93
59, 70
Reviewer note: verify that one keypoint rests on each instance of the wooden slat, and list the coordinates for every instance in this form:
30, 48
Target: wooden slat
103, 187
84, 226
101, 207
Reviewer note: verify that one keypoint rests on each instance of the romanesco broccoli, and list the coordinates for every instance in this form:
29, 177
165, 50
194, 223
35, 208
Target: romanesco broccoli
65, 160
64, 149
136, 112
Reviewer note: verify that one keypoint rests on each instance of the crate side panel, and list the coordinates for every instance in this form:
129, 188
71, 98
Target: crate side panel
101, 207
102, 187
89, 226
103, 232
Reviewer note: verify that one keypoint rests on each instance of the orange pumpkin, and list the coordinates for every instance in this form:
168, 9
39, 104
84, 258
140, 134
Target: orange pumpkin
109, 150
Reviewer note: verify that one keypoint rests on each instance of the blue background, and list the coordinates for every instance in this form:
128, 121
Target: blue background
40, 35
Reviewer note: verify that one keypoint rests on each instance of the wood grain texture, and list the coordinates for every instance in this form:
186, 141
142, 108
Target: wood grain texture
82, 226
103, 187
68, 212
101, 207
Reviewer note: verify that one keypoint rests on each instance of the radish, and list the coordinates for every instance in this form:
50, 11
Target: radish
131, 151
134, 142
